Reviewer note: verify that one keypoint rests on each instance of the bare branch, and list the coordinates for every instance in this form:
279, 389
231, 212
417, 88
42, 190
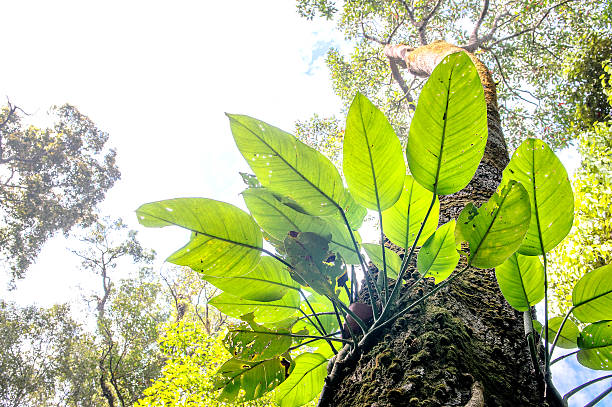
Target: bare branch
394, 31
505, 79
370, 37
428, 17
483, 14
397, 76
532, 28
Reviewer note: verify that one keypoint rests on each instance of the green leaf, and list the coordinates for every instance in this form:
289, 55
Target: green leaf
288, 166
225, 241
353, 211
263, 312
373, 162
569, 333
595, 343
535, 166
592, 295
313, 264
495, 230
448, 132
268, 281
394, 262
521, 281
256, 343
403, 220
438, 257
278, 218
254, 378
305, 382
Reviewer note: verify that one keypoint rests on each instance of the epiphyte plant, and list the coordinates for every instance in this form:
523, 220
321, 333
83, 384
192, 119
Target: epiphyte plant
301, 302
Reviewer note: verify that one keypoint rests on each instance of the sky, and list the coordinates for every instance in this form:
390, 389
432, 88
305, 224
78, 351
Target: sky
159, 77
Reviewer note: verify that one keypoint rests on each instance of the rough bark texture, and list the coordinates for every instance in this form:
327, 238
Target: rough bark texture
465, 346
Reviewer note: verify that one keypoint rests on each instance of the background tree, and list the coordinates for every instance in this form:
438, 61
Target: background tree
584, 81
36, 345
589, 244
524, 43
50, 180
127, 314
191, 345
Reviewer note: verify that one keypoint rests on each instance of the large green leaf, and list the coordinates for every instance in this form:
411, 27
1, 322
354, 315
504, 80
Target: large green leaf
312, 263
448, 132
225, 240
256, 342
592, 295
439, 256
288, 166
521, 281
263, 312
305, 381
373, 162
254, 378
495, 230
403, 220
569, 333
595, 343
268, 281
354, 212
535, 166
278, 218
394, 262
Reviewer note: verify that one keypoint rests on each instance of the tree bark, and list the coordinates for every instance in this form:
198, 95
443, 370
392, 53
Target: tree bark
465, 346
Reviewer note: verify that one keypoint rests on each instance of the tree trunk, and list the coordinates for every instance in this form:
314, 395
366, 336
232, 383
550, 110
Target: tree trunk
465, 346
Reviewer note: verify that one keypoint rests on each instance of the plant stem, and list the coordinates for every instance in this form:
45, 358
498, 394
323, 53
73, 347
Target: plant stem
421, 277
348, 327
385, 288
601, 396
302, 344
353, 297
528, 325
359, 321
322, 329
337, 317
414, 304
564, 356
366, 272
552, 348
329, 337
582, 386
547, 353
348, 294
405, 262
269, 253
312, 315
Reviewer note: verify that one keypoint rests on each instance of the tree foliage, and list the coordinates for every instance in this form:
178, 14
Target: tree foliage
51, 179
585, 83
192, 357
36, 348
524, 43
589, 244
127, 314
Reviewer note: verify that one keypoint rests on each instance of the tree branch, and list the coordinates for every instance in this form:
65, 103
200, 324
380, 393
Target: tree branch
505, 79
483, 14
532, 28
397, 76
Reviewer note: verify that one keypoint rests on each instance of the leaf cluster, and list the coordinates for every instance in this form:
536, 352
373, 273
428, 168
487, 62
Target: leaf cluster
300, 301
